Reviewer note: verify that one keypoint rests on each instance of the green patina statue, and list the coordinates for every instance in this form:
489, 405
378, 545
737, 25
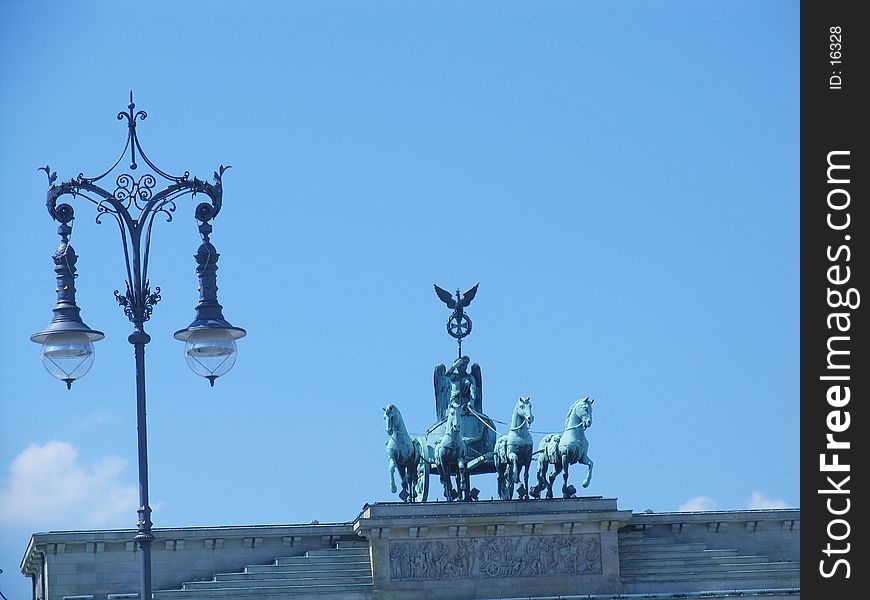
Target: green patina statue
457, 386
566, 449
547, 454
403, 454
450, 454
513, 452
464, 441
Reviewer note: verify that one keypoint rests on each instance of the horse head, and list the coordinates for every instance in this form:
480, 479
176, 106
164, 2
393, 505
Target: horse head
453, 426
581, 410
392, 418
523, 412
584, 411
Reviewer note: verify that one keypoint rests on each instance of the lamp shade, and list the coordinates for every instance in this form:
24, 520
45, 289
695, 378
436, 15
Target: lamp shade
67, 349
210, 348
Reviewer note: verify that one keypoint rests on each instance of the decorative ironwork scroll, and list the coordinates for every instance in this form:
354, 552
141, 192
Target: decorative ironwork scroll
133, 203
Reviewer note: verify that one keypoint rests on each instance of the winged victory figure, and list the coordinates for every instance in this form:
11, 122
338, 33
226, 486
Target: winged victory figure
458, 386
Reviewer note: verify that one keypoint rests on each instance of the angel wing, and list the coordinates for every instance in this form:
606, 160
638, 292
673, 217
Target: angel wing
468, 296
442, 390
446, 297
477, 399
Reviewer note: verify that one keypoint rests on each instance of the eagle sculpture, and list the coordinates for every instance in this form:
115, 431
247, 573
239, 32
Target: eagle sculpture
460, 302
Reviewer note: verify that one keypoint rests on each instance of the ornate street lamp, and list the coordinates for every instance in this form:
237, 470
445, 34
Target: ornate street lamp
67, 343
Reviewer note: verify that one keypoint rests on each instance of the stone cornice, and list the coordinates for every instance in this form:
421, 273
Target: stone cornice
788, 518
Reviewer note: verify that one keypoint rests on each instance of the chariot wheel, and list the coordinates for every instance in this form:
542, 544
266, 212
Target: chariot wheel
423, 470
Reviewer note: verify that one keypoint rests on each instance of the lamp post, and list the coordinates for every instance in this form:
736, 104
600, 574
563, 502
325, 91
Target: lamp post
67, 343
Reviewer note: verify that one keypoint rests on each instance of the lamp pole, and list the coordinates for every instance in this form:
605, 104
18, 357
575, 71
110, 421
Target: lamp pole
67, 343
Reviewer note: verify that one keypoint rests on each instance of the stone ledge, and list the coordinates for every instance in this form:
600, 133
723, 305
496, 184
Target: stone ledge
490, 507
491, 518
642, 520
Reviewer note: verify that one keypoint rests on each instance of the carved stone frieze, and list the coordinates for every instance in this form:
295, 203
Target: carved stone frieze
501, 556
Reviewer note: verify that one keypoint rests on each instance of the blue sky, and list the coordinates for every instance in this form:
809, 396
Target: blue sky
621, 178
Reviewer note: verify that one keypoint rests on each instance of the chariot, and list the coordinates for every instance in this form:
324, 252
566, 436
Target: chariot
478, 434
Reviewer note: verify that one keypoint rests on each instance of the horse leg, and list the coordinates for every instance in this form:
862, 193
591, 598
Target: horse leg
443, 473
515, 467
504, 472
405, 495
522, 492
557, 468
543, 467
587, 461
460, 479
411, 469
550, 485
509, 480
448, 484
526, 479
565, 463
393, 488
405, 471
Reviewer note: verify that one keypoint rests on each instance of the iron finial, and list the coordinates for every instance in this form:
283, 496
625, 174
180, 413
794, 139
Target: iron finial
458, 324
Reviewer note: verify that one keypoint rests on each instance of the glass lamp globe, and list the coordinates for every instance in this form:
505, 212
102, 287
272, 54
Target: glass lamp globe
210, 352
67, 356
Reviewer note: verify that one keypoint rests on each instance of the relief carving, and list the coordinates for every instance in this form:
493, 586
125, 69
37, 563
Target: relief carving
495, 557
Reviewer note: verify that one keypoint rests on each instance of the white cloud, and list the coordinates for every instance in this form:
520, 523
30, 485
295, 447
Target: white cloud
760, 500
49, 488
698, 503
